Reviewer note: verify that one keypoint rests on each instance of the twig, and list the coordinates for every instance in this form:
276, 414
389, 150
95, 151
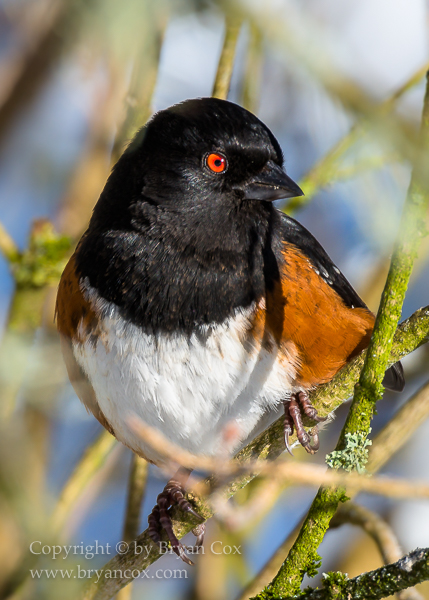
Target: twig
7, 245
411, 569
226, 60
314, 475
94, 457
303, 556
29, 71
136, 489
411, 334
326, 171
283, 471
141, 89
387, 442
381, 533
298, 473
253, 72
399, 429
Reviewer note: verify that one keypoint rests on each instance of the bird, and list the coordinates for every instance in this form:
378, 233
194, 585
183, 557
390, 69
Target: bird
194, 304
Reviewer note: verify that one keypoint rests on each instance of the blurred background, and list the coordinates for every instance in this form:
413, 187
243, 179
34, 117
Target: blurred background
341, 85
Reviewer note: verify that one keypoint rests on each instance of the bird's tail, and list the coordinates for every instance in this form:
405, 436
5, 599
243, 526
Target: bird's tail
394, 379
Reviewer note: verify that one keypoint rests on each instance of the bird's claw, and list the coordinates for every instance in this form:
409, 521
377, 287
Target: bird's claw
293, 419
160, 519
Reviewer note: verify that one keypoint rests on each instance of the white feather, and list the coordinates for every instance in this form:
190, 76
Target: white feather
191, 387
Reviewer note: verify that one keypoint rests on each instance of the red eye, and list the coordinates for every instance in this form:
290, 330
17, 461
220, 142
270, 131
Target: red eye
216, 162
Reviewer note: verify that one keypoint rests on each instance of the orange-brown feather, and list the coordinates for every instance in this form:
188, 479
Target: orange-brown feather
76, 320
74, 314
306, 314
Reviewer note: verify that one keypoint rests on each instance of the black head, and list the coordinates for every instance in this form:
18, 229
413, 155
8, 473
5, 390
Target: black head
201, 160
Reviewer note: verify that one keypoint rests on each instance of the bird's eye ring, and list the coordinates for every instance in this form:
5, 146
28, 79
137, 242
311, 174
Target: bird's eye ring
216, 162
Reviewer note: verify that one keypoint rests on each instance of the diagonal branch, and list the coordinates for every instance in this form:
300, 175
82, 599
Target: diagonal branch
226, 61
387, 442
382, 534
411, 569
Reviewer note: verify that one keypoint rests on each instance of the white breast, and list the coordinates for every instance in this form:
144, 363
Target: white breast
206, 392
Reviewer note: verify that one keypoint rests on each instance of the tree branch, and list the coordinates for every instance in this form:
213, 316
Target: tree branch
326, 170
303, 557
386, 443
136, 489
380, 531
411, 569
399, 429
226, 60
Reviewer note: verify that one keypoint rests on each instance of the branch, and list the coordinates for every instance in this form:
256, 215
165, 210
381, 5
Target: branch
303, 557
399, 429
253, 72
326, 171
410, 570
7, 245
136, 489
91, 462
387, 442
226, 60
283, 471
380, 531
142, 86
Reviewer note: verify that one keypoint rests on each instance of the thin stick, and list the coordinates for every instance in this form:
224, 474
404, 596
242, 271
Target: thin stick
136, 489
253, 72
399, 429
413, 568
226, 61
92, 460
285, 470
325, 171
7, 245
382, 534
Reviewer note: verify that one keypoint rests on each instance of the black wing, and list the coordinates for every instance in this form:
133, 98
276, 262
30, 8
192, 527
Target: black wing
299, 236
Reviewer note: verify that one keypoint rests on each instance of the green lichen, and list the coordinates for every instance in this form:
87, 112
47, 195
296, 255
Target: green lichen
354, 456
313, 568
44, 260
336, 584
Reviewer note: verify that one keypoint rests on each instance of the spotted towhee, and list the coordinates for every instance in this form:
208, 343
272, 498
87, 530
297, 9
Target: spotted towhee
195, 304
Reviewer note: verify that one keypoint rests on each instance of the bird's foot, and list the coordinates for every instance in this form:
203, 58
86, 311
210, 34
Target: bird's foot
293, 419
160, 519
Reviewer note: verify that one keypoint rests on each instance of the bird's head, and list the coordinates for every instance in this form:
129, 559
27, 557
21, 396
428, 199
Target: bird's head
200, 161
205, 148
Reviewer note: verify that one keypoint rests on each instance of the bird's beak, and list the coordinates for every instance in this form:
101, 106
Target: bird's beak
270, 184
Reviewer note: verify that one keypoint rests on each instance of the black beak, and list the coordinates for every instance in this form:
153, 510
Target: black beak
270, 184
